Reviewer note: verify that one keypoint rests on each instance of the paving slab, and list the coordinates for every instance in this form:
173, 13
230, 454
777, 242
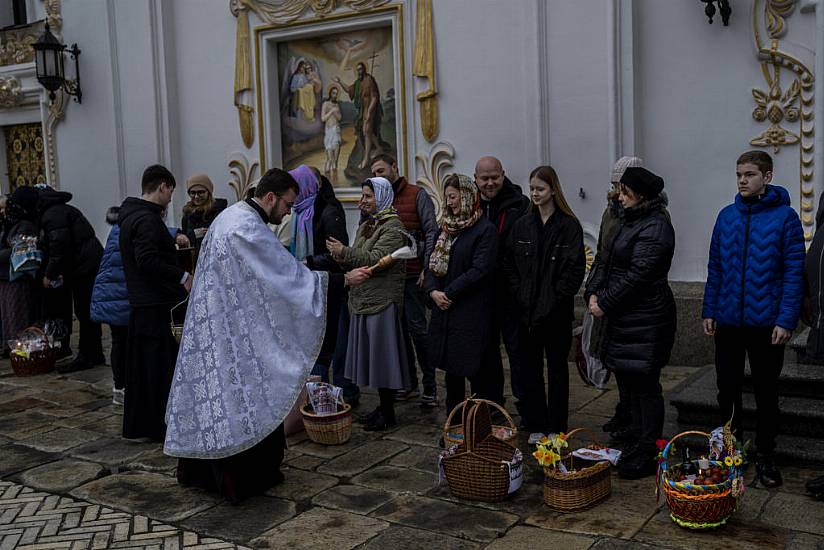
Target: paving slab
397, 537
622, 514
58, 440
153, 495
244, 521
466, 522
309, 447
48, 383
353, 498
362, 458
20, 404
426, 435
300, 484
113, 452
83, 418
93, 375
396, 480
321, 528
9, 392
15, 458
805, 541
304, 462
737, 534
524, 503
153, 461
796, 512
529, 538
62, 476
110, 426
418, 457
24, 424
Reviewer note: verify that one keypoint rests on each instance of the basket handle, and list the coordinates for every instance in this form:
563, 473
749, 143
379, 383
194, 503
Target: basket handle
39, 332
462, 406
666, 451
172, 311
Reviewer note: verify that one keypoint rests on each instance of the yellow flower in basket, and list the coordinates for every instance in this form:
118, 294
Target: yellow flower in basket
738, 461
728, 461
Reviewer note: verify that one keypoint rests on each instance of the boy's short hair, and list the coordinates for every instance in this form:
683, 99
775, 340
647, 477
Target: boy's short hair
761, 159
153, 176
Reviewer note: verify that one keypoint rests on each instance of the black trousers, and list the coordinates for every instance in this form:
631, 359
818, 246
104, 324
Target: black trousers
151, 353
623, 409
91, 346
732, 345
120, 335
646, 402
488, 383
456, 390
546, 412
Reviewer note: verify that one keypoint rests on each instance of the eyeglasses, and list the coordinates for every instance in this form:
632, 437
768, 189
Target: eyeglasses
197, 192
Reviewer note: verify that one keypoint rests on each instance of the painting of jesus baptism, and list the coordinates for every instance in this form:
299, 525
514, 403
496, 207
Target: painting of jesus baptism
337, 102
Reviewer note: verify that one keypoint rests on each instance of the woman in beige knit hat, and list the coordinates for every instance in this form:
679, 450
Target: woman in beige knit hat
200, 211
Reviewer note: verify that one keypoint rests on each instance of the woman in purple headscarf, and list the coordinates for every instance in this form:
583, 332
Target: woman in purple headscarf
317, 216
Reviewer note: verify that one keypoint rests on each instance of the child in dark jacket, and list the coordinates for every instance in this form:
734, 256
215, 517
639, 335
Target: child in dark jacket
752, 299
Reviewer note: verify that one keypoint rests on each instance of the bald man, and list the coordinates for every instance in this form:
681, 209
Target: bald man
503, 202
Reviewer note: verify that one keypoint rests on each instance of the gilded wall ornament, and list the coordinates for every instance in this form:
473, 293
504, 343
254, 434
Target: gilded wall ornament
286, 11
794, 105
425, 68
11, 93
244, 174
16, 46
776, 107
441, 157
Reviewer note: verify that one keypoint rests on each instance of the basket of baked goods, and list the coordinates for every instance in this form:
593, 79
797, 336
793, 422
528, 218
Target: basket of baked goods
32, 353
326, 418
482, 467
453, 429
702, 493
574, 480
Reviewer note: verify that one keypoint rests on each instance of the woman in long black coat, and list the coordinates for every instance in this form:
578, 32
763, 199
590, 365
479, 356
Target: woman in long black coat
459, 281
633, 294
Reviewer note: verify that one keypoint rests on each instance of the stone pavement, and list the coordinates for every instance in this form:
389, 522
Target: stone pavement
69, 481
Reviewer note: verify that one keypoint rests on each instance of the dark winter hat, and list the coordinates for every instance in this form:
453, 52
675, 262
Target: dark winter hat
26, 198
642, 181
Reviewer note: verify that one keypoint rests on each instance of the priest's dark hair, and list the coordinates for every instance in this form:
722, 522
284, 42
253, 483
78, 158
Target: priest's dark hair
153, 176
276, 181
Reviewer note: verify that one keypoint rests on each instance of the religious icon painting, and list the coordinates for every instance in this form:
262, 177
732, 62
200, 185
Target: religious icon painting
332, 94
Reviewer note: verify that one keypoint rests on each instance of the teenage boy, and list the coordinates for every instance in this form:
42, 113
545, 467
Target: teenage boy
752, 299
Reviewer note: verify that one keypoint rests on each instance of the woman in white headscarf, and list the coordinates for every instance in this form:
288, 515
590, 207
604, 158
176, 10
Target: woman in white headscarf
377, 355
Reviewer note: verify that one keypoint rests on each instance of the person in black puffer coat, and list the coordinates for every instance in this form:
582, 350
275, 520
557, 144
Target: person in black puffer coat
72, 258
200, 211
633, 294
17, 298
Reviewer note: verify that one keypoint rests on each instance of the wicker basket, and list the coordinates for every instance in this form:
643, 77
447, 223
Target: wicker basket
453, 433
587, 486
38, 362
697, 506
329, 429
478, 470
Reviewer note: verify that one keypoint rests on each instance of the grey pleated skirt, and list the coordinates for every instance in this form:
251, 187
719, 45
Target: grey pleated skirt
377, 353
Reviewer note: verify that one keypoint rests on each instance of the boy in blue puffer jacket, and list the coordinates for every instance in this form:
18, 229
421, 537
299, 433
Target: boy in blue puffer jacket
110, 302
752, 299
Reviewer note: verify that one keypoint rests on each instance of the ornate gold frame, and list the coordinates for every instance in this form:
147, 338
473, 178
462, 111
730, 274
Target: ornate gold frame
397, 26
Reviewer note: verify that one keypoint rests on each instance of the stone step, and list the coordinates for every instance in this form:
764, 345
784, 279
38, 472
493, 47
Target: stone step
695, 400
797, 380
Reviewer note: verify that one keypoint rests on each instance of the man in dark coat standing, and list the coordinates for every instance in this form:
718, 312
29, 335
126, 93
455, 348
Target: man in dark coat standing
73, 256
155, 285
503, 203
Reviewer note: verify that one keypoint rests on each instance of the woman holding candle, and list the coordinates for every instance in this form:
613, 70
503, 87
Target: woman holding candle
376, 355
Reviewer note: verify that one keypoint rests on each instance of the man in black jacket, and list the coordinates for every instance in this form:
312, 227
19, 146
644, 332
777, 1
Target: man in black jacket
155, 285
503, 203
73, 256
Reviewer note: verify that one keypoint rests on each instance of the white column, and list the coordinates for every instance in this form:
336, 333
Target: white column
620, 75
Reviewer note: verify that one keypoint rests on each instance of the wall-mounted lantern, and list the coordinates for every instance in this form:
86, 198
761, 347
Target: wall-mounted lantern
723, 7
49, 55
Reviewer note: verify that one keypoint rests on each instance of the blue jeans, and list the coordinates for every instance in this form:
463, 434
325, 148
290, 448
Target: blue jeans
415, 331
351, 392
